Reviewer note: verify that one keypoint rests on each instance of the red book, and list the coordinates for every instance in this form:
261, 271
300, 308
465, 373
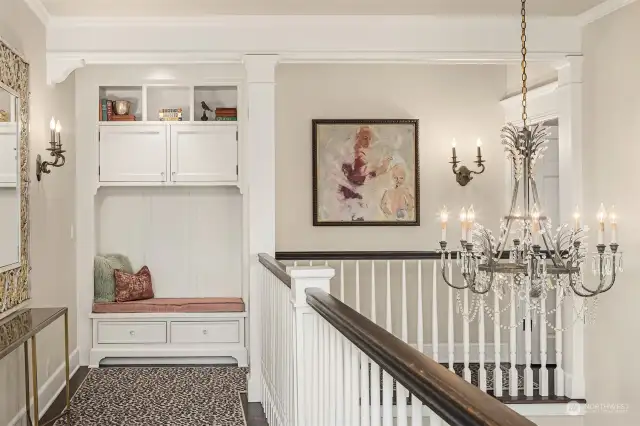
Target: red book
128, 117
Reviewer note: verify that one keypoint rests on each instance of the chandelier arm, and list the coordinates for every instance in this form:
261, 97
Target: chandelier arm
503, 243
555, 257
444, 276
589, 293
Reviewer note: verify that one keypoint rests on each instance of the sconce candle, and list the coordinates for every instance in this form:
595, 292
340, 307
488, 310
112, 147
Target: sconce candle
463, 222
444, 217
479, 145
471, 218
453, 148
613, 219
55, 151
535, 225
602, 214
576, 218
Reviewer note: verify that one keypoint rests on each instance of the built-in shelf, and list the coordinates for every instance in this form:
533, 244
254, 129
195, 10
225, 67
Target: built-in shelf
133, 94
147, 101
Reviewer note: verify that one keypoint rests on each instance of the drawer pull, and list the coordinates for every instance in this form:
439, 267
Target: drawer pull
205, 331
133, 333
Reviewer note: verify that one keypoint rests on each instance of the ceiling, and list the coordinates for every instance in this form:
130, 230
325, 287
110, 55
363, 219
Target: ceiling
138, 8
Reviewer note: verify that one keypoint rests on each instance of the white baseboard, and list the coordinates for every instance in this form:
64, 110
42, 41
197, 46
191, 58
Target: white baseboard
474, 352
170, 361
49, 390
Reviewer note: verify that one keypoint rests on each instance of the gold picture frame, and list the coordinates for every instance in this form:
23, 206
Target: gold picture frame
14, 74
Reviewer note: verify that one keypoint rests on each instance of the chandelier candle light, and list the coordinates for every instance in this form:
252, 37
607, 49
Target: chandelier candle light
536, 261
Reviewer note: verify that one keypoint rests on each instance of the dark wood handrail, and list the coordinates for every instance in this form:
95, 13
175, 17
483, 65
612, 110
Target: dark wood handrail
456, 401
364, 255
276, 268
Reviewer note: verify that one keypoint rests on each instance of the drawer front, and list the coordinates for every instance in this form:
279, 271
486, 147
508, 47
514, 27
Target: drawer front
205, 332
132, 332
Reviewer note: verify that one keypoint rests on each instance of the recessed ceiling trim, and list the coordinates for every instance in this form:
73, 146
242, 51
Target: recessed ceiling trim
602, 10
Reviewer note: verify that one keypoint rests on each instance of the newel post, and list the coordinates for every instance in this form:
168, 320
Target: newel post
303, 278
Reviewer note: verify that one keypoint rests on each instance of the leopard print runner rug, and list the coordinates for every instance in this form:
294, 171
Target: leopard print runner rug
159, 396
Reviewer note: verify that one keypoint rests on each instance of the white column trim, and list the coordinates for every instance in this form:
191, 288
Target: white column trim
258, 173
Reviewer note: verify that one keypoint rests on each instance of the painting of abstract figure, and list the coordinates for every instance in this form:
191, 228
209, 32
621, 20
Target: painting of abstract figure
365, 172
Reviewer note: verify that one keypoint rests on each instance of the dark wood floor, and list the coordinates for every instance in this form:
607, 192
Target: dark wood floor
255, 414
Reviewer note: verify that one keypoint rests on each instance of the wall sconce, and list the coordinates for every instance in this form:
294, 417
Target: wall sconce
55, 150
463, 174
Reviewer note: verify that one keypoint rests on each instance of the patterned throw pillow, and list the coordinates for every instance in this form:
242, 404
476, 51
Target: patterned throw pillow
104, 282
133, 286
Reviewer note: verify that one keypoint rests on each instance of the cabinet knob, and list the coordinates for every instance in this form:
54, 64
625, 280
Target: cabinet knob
133, 333
173, 173
162, 174
205, 331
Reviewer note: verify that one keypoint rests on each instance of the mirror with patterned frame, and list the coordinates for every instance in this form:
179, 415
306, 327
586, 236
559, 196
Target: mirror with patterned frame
14, 178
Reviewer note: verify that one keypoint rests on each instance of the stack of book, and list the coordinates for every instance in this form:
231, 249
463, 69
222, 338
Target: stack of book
226, 114
105, 112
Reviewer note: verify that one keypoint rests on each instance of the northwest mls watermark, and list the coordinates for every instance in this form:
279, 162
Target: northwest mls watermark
576, 408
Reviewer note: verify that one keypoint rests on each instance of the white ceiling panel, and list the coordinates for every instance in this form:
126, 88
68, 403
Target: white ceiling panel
141, 8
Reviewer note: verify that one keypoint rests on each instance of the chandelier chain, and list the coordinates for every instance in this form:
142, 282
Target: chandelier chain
523, 12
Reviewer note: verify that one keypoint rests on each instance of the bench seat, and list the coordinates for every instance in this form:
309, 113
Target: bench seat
190, 305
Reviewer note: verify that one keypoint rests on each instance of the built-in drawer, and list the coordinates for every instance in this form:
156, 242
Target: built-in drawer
205, 332
119, 332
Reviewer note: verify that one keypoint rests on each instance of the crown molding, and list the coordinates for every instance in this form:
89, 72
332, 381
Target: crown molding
38, 8
602, 10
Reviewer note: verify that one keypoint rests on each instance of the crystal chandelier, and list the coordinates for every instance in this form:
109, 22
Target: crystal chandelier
536, 261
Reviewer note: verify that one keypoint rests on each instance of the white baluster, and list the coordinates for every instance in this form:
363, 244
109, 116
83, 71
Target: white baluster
434, 420
450, 321
528, 372
375, 369
435, 342
316, 391
321, 381
513, 372
326, 263
355, 394
416, 404
348, 391
311, 263
364, 390
482, 373
465, 337
332, 378
295, 263
401, 392
342, 280
544, 373
387, 380
357, 285
559, 372
497, 373
340, 417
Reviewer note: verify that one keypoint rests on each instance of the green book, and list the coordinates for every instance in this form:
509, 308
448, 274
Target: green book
226, 118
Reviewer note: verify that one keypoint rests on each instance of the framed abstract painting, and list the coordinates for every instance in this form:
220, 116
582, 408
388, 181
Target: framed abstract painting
366, 173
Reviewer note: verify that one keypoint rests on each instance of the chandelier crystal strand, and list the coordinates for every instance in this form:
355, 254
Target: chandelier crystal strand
527, 258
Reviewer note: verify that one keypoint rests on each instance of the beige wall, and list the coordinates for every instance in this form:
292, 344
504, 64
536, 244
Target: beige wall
52, 207
450, 101
612, 150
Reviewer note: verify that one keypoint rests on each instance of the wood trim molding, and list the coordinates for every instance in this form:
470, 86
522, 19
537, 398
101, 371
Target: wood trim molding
542, 104
364, 255
449, 396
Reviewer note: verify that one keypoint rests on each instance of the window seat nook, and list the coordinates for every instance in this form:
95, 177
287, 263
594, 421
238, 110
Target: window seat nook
191, 305
207, 330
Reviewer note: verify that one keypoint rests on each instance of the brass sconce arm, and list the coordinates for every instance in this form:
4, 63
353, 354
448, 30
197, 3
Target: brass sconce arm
463, 174
55, 151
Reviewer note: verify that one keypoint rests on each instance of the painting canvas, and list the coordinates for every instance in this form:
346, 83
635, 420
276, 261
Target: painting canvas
365, 172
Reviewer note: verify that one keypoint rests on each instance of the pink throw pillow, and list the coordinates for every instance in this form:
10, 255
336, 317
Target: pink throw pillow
133, 286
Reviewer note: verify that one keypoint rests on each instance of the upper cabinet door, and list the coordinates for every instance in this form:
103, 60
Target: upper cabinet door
133, 153
204, 153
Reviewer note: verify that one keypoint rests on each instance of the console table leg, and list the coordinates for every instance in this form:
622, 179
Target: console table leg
34, 374
66, 357
26, 382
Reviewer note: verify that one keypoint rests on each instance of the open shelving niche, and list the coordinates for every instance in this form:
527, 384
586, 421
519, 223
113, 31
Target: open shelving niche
147, 100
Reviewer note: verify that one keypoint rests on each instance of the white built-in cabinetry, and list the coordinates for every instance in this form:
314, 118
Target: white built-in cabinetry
152, 152
168, 197
168, 153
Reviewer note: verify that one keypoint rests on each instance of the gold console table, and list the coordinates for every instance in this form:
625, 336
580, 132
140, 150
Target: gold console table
20, 327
